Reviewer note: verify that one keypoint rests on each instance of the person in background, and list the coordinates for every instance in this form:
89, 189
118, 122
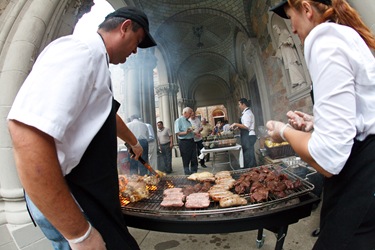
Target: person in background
248, 136
140, 131
197, 127
337, 48
185, 133
206, 131
152, 146
165, 140
63, 125
217, 128
226, 126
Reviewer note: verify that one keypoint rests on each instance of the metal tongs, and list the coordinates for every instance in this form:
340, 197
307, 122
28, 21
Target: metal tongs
141, 160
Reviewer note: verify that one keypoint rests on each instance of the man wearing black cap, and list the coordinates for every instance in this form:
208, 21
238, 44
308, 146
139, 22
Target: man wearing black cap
63, 124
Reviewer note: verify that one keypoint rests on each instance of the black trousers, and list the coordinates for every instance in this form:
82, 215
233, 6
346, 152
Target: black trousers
188, 152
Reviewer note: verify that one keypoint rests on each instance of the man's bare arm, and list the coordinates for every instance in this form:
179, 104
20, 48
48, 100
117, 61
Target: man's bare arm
40, 174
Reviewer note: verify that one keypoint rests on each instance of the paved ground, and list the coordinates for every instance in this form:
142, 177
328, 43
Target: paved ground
298, 236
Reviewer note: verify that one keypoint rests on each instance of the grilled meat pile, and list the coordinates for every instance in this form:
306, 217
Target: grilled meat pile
259, 183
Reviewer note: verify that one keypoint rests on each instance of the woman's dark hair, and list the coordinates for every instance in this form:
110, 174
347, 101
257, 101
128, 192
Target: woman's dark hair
245, 101
113, 22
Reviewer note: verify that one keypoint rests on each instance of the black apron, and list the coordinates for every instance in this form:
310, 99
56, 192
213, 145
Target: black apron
247, 147
94, 184
348, 208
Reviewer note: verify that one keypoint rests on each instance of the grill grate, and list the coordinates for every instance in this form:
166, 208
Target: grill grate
152, 204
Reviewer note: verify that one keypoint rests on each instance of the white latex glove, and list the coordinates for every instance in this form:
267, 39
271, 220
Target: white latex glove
300, 121
94, 241
274, 128
137, 150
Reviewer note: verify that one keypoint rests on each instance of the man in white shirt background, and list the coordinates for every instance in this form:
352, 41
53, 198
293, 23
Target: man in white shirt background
197, 127
140, 131
165, 141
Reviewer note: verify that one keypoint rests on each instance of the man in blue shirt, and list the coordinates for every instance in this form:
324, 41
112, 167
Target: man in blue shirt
185, 134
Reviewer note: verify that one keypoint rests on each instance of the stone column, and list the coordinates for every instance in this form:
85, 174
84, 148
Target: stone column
139, 96
23, 26
167, 103
20, 43
131, 88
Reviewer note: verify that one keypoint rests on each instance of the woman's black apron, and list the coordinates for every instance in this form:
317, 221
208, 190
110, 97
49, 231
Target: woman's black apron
94, 184
348, 208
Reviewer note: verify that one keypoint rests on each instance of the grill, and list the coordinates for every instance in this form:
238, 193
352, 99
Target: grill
275, 214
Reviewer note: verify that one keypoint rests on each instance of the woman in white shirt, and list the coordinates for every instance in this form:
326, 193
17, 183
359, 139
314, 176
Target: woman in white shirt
337, 48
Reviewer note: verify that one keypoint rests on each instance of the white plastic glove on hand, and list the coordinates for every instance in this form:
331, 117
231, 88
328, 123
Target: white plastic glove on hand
94, 241
301, 121
274, 128
137, 150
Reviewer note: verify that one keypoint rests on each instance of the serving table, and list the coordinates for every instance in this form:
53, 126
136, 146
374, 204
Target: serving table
225, 150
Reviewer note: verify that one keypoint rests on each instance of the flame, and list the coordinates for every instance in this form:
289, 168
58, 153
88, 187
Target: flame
151, 187
123, 201
169, 184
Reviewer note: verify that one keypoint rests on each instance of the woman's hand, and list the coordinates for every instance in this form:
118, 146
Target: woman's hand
274, 128
300, 121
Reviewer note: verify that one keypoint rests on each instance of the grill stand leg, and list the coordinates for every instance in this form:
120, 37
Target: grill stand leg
260, 238
280, 237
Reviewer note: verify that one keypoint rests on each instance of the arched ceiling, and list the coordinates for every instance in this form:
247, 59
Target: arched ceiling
192, 61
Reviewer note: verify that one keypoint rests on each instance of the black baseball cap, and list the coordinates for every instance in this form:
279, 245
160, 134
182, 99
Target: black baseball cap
139, 17
279, 8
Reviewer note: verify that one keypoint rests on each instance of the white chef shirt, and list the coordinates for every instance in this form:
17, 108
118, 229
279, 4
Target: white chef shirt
67, 95
247, 119
342, 69
197, 125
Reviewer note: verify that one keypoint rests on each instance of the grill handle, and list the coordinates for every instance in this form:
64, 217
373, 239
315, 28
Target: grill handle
141, 160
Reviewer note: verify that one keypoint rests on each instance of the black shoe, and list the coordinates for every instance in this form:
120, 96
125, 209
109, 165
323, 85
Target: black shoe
203, 166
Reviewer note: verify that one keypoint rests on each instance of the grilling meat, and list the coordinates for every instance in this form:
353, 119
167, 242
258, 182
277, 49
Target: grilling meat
135, 191
260, 182
218, 194
197, 200
232, 200
229, 181
203, 176
173, 197
168, 191
260, 194
222, 174
197, 188
171, 202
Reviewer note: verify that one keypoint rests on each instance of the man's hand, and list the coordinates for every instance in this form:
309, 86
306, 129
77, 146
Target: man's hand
94, 241
274, 128
137, 150
300, 121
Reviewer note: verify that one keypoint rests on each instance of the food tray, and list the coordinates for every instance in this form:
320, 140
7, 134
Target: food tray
220, 143
280, 151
